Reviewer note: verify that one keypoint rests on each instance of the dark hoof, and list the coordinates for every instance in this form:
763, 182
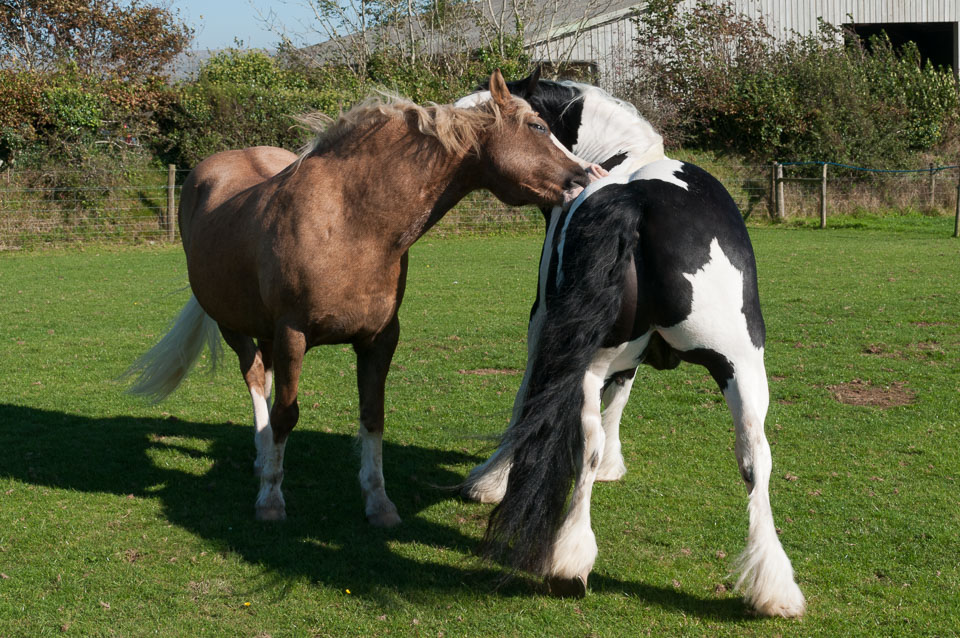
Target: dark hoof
384, 515
271, 514
384, 519
567, 587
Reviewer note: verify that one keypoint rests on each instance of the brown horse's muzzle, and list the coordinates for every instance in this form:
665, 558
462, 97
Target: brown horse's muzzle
576, 184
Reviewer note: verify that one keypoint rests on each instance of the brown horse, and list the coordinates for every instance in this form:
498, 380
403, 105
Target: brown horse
285, 253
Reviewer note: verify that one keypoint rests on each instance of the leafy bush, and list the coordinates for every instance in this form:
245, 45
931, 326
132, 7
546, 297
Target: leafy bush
254, 69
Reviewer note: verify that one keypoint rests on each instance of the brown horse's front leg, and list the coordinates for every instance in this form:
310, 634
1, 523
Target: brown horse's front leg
289, 346
373, 362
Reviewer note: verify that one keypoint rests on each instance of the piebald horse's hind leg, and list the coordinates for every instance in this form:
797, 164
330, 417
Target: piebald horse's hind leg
373, 363
766, 575
255, 366
575, 548
615, 395
487, 483
289, 346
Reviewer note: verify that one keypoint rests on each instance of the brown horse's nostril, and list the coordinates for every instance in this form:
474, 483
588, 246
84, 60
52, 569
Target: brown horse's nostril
580, 178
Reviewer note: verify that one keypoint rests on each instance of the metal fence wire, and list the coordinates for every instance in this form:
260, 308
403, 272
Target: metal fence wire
852, 190
63, 206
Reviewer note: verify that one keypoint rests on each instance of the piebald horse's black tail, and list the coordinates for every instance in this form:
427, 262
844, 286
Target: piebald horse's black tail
546, 441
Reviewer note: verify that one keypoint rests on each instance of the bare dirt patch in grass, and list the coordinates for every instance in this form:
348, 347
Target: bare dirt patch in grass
860, 392
920, 350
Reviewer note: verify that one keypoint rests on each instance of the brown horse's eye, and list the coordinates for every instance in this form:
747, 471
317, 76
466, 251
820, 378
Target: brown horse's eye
538, 127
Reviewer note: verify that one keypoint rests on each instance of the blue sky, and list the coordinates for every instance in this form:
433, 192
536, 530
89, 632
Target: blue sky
218, 22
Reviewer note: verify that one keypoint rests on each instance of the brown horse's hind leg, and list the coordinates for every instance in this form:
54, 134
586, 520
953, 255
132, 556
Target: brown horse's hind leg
266, 356
262, 403
373, 362
257, 374
289, 348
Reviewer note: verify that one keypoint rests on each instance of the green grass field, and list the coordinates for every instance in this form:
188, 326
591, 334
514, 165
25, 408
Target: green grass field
123, 519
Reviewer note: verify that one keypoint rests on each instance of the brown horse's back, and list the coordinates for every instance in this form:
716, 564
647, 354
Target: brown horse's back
222, 175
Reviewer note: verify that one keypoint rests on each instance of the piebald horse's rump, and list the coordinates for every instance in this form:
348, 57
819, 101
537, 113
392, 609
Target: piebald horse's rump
651, 265
285, 253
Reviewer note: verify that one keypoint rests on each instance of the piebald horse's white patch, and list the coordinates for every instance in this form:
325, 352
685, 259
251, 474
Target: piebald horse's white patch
665, 170
716, 320
472, 100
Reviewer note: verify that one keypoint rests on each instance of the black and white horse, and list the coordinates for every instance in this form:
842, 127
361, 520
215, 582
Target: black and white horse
651, 264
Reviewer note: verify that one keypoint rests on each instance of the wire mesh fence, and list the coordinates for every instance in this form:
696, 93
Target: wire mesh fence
62, 206
807, 188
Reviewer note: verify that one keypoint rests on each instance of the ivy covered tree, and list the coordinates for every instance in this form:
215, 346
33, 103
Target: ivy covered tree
105, 38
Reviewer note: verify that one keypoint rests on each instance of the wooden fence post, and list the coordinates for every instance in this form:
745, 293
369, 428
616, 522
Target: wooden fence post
956, 220
171, 218
780, 203
823, 197
933, 187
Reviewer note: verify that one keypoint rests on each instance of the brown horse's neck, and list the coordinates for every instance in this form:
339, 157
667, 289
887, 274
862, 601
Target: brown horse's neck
401, 199
459, 180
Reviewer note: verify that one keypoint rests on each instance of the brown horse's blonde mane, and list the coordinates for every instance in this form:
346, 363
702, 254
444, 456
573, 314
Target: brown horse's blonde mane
457, 130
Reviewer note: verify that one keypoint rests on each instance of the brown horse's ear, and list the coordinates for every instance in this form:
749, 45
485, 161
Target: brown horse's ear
499, 91
530, 83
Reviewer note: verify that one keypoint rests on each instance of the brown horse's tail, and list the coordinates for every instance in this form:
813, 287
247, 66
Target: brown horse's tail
161, 369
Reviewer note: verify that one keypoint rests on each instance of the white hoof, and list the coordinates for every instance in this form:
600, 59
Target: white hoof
766, 581
484, 485
613, 471
788, 603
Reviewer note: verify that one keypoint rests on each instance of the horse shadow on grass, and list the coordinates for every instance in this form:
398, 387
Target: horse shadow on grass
325, 538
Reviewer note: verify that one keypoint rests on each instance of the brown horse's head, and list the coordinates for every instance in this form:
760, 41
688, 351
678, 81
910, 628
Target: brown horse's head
521, 162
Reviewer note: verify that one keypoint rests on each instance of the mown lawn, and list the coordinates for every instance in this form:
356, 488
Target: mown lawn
123, 519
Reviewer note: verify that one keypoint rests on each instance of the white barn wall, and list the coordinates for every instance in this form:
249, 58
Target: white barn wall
610, 43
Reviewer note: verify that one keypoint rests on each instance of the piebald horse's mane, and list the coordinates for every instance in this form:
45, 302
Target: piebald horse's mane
457, 130
581, 90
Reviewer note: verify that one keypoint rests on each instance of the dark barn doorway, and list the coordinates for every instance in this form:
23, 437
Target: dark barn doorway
936, 41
